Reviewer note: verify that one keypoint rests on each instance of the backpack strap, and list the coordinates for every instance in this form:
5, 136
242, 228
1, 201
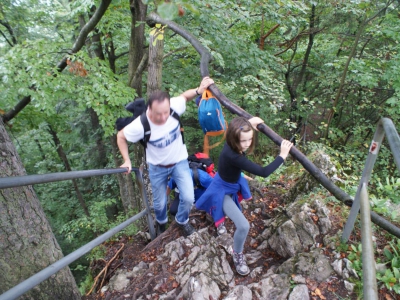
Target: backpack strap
177, 117
147, 131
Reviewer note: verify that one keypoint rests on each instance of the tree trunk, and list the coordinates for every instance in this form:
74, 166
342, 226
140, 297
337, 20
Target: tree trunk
125, 182
136, 45
137, 64
27, 244
156, 53
63, 157
343, 78
298, 79
101, 160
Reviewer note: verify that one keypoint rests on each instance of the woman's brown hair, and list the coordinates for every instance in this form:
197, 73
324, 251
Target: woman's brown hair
236, 126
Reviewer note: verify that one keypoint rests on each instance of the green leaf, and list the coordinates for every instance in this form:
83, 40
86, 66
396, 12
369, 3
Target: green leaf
168, 11
387, 253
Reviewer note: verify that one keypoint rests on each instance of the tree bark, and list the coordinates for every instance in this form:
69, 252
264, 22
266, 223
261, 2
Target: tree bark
101, 160
136, 45
125, 182
27, 244
156, 54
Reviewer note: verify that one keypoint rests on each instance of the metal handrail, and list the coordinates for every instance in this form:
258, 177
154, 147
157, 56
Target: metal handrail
15, 181
385, 125
361, 203
370, 290
41, 276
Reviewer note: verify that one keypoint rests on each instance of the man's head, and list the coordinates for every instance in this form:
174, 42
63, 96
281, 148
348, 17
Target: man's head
159, 107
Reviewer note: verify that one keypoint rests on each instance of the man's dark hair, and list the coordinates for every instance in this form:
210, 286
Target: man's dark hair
158, 96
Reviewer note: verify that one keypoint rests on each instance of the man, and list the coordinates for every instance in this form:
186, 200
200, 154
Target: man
166, 154
204, 180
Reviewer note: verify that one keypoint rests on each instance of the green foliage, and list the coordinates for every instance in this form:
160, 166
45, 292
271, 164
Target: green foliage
265, 81
85, 227
391, 277
390, 189
355, 257
86, 284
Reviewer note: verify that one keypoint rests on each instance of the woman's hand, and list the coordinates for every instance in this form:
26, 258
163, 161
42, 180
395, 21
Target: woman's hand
285, 148
255, 121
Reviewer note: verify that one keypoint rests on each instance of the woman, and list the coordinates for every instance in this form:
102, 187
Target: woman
221, 198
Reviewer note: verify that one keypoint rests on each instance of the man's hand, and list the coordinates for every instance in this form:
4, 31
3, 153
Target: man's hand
205, 83
127, 165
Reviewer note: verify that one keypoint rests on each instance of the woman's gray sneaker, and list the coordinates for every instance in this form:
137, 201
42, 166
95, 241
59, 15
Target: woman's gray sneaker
240, 263
221, 229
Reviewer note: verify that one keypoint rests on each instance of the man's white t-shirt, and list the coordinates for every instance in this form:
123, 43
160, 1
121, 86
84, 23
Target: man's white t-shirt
165, 146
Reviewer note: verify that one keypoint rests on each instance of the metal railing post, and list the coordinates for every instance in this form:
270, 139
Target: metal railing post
369, 164
139, 178
368, 262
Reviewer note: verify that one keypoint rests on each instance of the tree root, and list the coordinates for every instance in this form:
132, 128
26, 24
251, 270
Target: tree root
104, 271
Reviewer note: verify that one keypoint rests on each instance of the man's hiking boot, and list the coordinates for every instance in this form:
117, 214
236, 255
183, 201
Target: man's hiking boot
221, 229
240, 263
187, 229
160, 228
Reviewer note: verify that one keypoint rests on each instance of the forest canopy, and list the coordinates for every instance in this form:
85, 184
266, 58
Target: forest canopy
321, 73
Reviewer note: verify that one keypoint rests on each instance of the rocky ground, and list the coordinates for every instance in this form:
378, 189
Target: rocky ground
292, 250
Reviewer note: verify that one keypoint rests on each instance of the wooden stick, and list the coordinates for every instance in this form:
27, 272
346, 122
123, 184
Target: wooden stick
104, 271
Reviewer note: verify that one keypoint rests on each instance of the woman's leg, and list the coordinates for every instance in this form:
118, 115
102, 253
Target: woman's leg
242, 225
242, 229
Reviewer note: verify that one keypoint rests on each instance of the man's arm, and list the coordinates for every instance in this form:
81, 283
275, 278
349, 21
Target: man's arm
192, 93
123, 148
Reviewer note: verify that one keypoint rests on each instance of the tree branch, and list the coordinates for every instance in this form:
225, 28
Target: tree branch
79, 43
10, 31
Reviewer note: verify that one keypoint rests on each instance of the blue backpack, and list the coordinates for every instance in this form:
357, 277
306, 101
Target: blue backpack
211, 119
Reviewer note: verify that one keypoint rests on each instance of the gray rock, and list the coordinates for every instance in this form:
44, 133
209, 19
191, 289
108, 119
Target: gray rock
381, 268
239, 292
349, 286
338, 266
285, 240
200, 288
306, 182
299, 279
119, 281
300, 292
313, 265
274, 287
253, 256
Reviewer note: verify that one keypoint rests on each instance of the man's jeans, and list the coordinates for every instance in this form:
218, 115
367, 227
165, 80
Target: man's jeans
159, 180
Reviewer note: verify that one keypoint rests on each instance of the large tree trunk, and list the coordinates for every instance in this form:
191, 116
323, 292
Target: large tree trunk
27, 244
137, 64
